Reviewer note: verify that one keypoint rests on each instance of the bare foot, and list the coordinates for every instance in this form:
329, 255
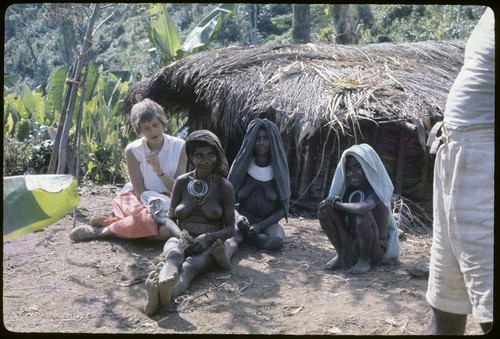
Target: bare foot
362, 266
333, 264
219, 254
152, 289
165, 290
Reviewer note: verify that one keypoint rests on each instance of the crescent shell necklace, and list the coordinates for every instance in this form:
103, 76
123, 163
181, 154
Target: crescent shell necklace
199, 189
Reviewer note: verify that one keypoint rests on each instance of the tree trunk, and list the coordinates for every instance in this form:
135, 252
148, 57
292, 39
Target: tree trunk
344, 24
253, 24
301, 24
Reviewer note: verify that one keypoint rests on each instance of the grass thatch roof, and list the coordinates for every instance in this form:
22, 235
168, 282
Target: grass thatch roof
308, 86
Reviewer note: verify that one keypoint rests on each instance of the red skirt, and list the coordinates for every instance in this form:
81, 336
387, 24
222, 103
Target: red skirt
132, 219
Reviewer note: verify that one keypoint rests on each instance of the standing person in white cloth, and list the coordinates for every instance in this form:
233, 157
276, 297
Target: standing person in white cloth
461, 263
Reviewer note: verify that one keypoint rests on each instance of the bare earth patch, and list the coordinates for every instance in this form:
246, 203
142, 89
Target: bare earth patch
51, 285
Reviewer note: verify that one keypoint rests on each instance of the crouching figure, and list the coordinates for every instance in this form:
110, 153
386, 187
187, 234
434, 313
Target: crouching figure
357, 216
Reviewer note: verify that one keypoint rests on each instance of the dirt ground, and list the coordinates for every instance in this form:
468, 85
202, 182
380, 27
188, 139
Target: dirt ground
51, 285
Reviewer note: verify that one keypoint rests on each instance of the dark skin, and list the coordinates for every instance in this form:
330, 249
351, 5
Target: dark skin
259, 210
367, 222
445, 323
219, 206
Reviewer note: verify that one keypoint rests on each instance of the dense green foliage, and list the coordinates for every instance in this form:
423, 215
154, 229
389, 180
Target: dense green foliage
42, 39
41, 36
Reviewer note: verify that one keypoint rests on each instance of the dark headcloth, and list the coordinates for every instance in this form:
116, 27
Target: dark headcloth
211, 139
279, 162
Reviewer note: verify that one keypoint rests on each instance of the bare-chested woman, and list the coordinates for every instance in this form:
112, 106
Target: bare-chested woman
203, 206
356, 216
261, 182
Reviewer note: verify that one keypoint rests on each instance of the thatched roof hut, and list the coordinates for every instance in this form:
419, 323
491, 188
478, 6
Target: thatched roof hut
323, 98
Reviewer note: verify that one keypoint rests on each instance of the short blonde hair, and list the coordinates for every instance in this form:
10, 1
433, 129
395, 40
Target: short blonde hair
144, 111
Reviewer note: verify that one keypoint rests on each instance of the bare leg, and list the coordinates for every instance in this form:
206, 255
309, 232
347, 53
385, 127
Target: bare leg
444, 323
368, 244
167, 231
272, 238
336, 231
88, 232
169, 273
220, 256
96, 231
152, 290
166, 286
231, 244
486, 327
192, 267
365, 238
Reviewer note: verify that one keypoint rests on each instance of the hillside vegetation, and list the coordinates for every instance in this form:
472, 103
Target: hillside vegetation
44, 40
41, 36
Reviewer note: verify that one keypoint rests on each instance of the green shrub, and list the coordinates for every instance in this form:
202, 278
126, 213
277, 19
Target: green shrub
40, 157
16, 156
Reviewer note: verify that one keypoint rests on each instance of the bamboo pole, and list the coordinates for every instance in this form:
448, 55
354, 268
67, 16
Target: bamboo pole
73, 85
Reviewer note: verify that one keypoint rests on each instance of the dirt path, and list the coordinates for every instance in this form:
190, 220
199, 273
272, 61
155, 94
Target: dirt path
54, 285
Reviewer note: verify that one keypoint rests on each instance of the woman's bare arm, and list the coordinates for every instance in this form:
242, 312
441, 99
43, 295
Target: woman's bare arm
134, 172
358, 208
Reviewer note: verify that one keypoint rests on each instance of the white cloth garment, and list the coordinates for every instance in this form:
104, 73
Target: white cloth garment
157, 204
169, 159
380, 182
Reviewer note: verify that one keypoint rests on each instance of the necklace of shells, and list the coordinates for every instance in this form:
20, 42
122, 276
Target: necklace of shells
199, 188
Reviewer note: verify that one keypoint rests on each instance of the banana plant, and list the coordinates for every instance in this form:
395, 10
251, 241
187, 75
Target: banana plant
105, 131
205, 31
25, 112
164, 36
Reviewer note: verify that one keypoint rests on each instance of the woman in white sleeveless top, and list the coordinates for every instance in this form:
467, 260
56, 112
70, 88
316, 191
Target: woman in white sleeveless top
153, 161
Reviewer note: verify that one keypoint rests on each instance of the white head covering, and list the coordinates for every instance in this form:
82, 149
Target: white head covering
374, 171
379, 180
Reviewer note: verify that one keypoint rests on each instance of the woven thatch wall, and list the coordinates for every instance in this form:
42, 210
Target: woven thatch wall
323, 98
397, 145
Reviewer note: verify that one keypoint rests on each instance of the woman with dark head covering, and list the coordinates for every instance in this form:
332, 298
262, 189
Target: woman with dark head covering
261, 182
202, 205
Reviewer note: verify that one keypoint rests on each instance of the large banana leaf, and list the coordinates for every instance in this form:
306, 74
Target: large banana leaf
55, 88
162, 32
202, 34
32, 202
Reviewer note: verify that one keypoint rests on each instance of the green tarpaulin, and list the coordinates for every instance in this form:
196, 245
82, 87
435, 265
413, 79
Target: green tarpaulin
31, 202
